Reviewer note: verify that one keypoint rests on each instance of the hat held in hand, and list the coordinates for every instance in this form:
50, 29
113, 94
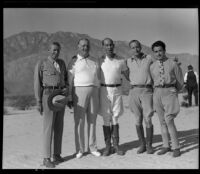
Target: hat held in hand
57, 100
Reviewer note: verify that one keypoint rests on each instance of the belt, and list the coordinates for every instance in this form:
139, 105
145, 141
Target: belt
165, 86
141, 86
111, 85
53, 87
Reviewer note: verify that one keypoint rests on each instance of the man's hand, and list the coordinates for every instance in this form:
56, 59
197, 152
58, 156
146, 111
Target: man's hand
40, 107
70, 104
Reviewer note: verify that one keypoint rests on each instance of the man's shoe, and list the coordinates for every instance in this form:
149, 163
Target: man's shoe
141, 149
47, 163
79, 155
176, 153
140, 133
96, 153
164, 150
149, 149
57, 159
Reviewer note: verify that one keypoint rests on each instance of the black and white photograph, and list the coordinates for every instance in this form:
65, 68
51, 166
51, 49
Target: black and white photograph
100, 88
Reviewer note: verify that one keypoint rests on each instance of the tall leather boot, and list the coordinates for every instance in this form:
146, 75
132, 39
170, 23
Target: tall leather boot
149, 139
115, 138
107, 138
140, 133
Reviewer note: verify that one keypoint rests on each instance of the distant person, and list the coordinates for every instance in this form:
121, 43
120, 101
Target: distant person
111, 104
141, 94
168, 80
191, 81
83, 71
49, 75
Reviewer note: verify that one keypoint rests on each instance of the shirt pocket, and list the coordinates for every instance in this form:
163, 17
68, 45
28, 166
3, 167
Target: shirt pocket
49, 72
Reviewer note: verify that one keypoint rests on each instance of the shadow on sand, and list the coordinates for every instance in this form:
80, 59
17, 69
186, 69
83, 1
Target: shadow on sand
188, 139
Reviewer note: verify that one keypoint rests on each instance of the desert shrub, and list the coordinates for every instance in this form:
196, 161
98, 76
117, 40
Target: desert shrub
22, 102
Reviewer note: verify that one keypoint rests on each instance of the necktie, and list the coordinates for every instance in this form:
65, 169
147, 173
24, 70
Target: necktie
56, 65
162, 72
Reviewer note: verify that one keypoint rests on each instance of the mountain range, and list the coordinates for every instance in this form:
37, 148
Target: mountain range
23, 50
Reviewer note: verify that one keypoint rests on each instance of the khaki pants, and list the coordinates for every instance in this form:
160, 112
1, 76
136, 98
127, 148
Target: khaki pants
167, 107
86, 102
141, 105
52, 129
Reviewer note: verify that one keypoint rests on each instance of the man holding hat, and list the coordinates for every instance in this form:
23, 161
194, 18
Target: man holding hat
191, 81
50, 78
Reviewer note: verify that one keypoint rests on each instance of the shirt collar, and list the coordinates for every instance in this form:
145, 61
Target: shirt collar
81, 57
51, 60
115, 56
163, 60
135, 58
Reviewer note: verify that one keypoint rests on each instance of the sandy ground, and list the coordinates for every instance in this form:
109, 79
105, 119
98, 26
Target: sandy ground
22, 143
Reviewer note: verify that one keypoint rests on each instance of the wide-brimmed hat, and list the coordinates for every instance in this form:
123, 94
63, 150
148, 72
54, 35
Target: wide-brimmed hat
57, 100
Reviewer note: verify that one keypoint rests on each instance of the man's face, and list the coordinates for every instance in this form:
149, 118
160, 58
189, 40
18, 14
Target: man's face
108, 47
83, 48
159, 52
54, 51
135, 48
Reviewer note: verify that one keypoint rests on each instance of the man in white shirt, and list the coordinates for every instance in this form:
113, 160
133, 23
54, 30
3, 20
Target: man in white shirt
191, 81
83, 71
111, 104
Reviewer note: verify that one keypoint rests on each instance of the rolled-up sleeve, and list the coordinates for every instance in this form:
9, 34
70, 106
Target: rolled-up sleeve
38, 83
179, 77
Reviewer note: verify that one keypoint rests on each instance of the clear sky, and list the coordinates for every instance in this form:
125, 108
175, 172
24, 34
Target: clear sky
177, 27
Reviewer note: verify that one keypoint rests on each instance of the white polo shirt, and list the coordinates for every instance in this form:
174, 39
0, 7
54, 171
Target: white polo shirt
85, 71
111, 70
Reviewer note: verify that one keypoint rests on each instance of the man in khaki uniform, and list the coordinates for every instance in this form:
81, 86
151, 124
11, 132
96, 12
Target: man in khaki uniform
83, 71
111, 104
50, 74
141, 94
168, 80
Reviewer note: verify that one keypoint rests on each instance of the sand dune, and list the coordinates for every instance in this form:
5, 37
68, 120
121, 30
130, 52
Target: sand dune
22, 143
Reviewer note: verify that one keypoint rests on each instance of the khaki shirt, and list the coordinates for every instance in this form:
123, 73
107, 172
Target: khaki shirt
172, 73
46, 75
139, 70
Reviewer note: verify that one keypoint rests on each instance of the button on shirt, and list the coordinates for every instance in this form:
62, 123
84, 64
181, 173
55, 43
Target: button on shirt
45, 74
167, 72
162, 73
139, 70
85, 71
111, 69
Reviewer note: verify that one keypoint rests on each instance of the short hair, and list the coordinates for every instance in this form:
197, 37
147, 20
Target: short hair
57, 44
157, 44
136, 42
107, 38
190, 67
83, 39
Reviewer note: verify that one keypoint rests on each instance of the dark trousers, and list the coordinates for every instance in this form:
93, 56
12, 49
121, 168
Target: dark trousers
192, 90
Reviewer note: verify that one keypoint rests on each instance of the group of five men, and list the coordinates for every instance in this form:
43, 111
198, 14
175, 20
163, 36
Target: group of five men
95, 87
